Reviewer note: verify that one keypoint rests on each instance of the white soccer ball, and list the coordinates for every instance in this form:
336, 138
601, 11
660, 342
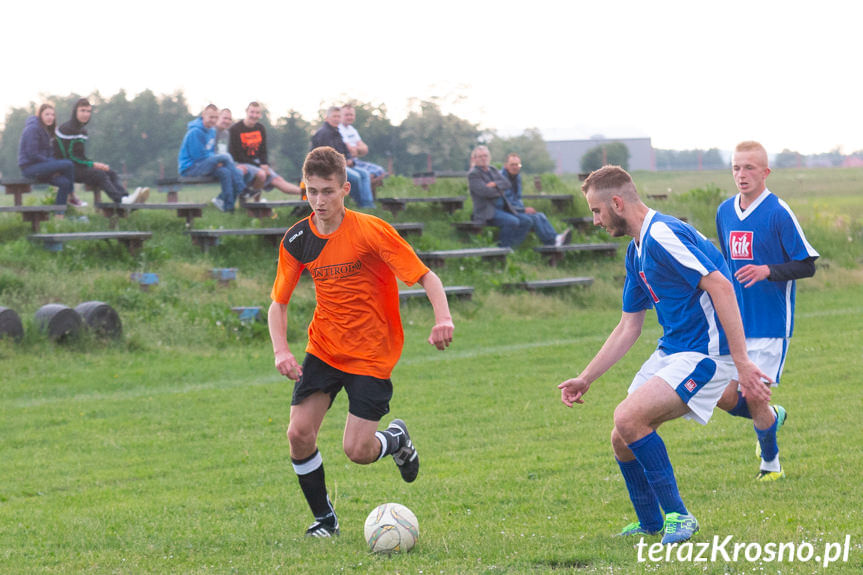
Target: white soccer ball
391, 528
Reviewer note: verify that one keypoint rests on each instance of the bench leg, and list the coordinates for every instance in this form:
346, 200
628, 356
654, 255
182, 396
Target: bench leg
554, 259
35, 218
133, 245
205, 242
561, 205
394, 209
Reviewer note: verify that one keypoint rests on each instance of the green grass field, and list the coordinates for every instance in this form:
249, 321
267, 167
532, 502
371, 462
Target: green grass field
165, 452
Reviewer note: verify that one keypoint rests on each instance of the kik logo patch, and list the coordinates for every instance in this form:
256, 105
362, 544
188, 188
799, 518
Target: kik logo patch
690, 385
740, 244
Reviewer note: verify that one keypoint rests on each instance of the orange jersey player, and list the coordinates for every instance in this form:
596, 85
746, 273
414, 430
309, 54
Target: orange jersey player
355, 336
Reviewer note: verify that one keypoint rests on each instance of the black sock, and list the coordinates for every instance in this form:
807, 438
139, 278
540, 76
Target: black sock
310, 472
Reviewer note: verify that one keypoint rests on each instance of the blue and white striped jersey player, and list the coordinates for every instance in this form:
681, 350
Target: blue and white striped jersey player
671, 267
766, 250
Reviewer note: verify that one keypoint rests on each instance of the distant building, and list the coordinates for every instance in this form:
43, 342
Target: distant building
567, 153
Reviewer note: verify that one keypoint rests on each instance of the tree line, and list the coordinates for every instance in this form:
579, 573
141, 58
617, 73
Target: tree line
141, 136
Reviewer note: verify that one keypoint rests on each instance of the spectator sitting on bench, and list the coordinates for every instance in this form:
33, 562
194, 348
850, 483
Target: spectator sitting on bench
543, 228
360, 180
223, 131
36, 155
71, 139
487, 187
355, 144
249, 149
198, 158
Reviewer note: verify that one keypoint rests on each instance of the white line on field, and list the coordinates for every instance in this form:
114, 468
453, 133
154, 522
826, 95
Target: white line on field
144, 391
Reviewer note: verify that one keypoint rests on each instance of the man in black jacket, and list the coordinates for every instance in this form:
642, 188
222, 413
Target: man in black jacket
360, 180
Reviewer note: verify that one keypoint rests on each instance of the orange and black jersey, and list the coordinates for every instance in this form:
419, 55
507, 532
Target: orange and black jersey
356, 326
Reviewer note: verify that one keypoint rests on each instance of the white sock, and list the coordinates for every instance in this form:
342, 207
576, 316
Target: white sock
771, 465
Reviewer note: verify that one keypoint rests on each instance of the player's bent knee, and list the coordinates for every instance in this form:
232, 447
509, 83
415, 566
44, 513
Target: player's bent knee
626, 424
358, 454
301, 440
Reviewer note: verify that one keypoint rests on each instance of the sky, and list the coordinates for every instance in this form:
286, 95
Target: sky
686, 74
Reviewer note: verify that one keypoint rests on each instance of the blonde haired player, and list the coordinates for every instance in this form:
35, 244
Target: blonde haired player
767, 251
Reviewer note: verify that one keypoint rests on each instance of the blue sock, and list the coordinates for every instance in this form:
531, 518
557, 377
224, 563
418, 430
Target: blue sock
651, 453
742, 408
641, 494
767, 439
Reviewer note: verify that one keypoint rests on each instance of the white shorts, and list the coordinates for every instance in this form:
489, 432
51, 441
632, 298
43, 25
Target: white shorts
768, 353
697, 378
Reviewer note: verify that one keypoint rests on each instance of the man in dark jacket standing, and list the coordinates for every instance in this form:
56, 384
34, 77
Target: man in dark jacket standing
71, 139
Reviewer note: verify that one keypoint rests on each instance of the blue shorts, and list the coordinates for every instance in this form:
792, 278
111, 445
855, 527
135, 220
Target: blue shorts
368, 397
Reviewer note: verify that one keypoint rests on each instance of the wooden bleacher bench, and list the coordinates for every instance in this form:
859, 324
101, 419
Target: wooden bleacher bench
539, 285
208, 238
409, 228
396, 205
133, 241
581, 224
657, 197
561, 202
426, 179
438, 258
17, 187
423, 179
112, 210
35, 214
263, 210
460, 292
555, 253
470, 227
174, 184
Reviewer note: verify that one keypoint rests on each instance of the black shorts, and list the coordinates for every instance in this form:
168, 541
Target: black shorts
368, 397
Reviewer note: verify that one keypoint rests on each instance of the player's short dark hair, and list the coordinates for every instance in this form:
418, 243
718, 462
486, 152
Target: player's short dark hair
609, 178
325, 162
83, 103
254, 104
211, 107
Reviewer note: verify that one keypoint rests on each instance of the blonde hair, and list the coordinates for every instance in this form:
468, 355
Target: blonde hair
752, 146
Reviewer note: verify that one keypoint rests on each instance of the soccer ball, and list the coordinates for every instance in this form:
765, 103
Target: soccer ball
391, 528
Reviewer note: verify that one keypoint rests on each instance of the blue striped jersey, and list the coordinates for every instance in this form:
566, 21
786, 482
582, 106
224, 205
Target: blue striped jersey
663, 270
766, 233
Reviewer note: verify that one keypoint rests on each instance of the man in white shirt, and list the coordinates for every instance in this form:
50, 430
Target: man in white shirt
356, 146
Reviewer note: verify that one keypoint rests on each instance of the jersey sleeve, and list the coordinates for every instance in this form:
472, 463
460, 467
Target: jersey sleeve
720, 231
397, 253
791, 235
287, 276
679, 254
635, 297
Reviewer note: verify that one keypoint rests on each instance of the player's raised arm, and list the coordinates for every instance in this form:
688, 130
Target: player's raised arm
725, 302
442, 332
277, 322
619, 341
